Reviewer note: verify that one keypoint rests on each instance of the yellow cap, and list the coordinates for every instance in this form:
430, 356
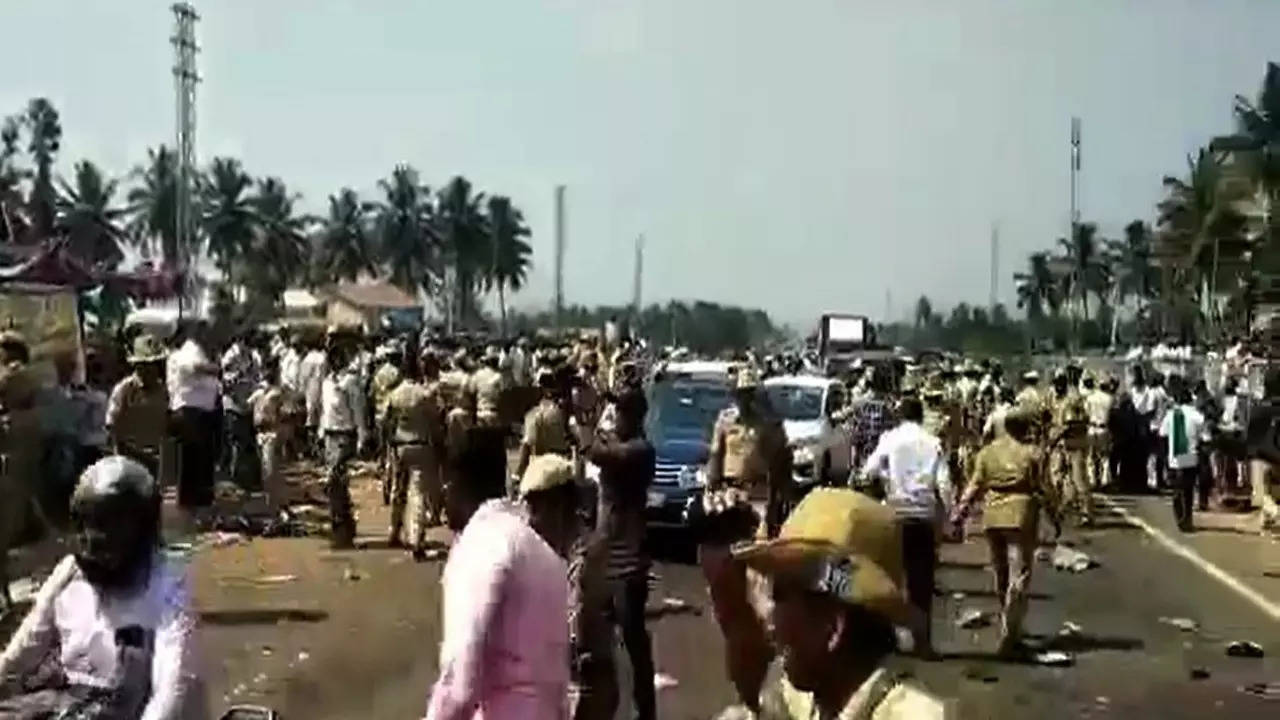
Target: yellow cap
546, 472
842, 543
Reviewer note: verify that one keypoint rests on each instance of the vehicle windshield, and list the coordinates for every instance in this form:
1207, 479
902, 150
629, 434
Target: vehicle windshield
795, 402
685, 408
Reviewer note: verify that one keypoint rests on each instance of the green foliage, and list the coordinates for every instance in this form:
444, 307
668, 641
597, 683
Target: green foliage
704, 327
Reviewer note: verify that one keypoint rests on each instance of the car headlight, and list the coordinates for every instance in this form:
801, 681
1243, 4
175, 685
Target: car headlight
803, 455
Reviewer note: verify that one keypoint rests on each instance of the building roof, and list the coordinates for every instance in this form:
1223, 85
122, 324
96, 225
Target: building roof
373, 295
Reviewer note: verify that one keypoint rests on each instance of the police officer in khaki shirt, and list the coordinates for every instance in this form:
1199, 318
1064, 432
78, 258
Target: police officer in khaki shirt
546, 430
1070, 437
1008, 475
19, 424
414, 422
488, 438
138, 408
749, 467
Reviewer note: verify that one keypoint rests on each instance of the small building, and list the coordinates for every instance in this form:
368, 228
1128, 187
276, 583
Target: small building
372, 305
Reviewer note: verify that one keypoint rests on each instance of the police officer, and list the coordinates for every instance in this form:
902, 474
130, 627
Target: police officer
343, 427
488, 437
413, 420
459, 418
546, 430
1070, 443
19, 456
385, 379
138, 409
749, 469
1008, 476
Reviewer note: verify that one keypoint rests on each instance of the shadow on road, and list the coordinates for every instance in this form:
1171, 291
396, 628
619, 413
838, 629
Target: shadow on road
267, 616
1085, 643
985, 593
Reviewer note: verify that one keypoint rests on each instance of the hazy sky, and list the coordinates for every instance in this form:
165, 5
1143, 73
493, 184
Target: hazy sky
802, 156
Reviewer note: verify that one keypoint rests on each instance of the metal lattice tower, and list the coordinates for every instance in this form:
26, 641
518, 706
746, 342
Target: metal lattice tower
185, 79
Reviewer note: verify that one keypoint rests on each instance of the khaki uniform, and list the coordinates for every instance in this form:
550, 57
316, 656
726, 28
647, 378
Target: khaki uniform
19, 458
270, 412
137, 420
1098, 404
413, 418
487, 385
546, 430
1070, 454
1008, 474
387, 377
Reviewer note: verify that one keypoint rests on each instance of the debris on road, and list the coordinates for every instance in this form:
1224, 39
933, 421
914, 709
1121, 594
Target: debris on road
1183, 624
1245, 649
274, 579
1066, 558
1070, 629
1266, 691
980, 674
663, 681
973, 619
1054, 658
1043, 554
958, 595
1199, 673
351, 574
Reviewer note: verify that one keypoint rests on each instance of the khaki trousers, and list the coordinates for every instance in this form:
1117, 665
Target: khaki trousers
1099, 457
1012, 577
1260, 479
270, 455
416, 482
1071, 478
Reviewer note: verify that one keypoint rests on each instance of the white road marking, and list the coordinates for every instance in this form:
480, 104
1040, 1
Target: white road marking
1262, 603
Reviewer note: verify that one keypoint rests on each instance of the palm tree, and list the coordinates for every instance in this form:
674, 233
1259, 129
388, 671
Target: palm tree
154, 205
1256, 146
1088, 271
279, 251
89, 219
1130, 263
403, 231
12, 222
924, 311
1038, 288
461, 227
343, 246
227, 216
45, 139
510, 252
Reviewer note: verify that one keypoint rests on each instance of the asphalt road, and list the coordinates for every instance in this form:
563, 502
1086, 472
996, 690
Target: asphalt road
318, 634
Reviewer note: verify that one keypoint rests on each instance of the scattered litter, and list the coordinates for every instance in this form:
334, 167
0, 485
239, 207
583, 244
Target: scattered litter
267, 651
1054, 658
980, 674
663, 681
1245, 649
434, 553
180, 547
304, 656
958, 595
275, 579
351, 574
674, 604
1183, 624
239, 689
222, 539
1065, 558
1070, 629
972, 619
260, 678
1044, 554
1266, 691
1102, 700
1199, 673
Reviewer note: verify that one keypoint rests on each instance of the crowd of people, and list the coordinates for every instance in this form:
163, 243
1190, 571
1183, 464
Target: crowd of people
549, 561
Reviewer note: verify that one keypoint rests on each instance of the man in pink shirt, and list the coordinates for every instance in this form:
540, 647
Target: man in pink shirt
505, 653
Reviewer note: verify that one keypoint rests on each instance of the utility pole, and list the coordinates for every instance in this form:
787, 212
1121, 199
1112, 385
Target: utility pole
637, 281
1075, 211
185, 79
993, 293
559, 219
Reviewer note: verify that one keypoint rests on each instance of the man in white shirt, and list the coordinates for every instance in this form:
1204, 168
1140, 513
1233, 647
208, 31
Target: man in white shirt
241, 373
1183, 429
1098, 402
344, 427
193, 399
918, 488
311, 373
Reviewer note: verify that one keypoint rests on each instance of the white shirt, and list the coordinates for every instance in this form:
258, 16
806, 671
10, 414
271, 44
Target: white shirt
915, 470
1195, 428
1233, 413
72, 618
994, 426
342, 404
290, 365
189, 386
311, 374
1097, 404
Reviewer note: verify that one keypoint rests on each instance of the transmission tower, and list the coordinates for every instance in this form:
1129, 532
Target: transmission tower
185, 79
559, 301
637, 282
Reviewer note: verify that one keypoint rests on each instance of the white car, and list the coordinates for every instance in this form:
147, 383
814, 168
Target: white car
820, 439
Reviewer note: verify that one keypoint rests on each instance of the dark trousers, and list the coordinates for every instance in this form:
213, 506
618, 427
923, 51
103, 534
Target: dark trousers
240, 451
198, 432
920, 561
1183, 481
339, 449
627, 612
487, 449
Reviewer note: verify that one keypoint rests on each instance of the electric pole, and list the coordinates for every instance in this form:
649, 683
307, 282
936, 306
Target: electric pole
185, 79
993, 294
638, 280
559, 219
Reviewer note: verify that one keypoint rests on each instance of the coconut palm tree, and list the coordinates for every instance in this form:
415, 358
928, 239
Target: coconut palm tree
924, 311
279, 252
12, 220
403, 231
1088, 273
45, 138
1130, 263
228, 219
1038, 288
88, 217
511, 254
465, 241
153, 205
1255, 147
343, 247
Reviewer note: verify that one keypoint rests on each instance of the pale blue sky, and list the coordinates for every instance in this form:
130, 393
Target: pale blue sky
803, 156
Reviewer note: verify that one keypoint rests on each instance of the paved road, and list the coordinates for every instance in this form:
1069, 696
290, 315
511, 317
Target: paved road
324, 635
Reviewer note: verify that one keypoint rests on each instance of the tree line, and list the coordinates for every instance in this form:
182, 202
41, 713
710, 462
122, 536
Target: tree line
452, 243
704, 327
1198, 272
